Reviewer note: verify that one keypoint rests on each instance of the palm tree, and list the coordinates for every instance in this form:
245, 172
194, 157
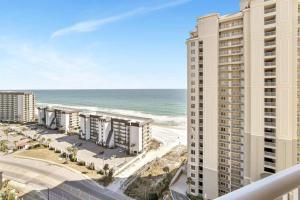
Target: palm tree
69, 152
6, 131
15, 144
48, 142
3, 146
42, 141
105, 169
34, 136
72, 151
166, 169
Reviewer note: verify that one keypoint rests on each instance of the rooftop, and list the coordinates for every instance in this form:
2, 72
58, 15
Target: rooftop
62, 109
133, 119
14, 92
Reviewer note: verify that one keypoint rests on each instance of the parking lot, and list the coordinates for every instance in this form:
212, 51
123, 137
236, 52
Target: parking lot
12, 137
88, 151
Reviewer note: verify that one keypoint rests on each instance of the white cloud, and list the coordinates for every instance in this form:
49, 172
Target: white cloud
25, 65
91, 25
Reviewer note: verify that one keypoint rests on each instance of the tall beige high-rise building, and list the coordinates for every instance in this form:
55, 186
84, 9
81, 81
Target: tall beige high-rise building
17, 106
243, 95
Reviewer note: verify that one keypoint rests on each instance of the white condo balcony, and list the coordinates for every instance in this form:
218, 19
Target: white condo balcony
282, 185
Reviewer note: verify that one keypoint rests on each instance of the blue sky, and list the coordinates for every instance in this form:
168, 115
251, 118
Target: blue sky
98, 44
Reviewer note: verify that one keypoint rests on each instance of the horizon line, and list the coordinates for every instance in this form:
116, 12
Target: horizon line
98, 89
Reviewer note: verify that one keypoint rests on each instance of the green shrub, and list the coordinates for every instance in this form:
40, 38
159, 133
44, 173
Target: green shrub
101, 172
57, 151
152, 196
81, 163
73, 159
91, 166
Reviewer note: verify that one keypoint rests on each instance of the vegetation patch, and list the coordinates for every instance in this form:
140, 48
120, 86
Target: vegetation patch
154, 144
7, 192
153, 181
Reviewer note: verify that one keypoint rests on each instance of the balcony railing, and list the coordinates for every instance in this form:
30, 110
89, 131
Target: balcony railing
270, 164
270, 103
270, 134
272, 21
272, 53
270, 43
272, 114
269, 10
271, 187
270, 63
270, 33
270, 83
270, 73
270, 93
271, 144
270, 154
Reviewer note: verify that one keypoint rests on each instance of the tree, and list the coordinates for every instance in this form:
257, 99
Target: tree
105, 169
166, 169
3, 146
42, 141
152, 196
48, 142
15, 144
111, 173
72, 151
6, 132
34, 137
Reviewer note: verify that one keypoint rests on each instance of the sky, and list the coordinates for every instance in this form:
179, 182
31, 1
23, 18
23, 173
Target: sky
98, 44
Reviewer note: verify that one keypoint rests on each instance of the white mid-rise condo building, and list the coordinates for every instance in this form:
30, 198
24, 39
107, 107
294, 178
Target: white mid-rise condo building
130, 133
17, 106
62, 119
243, 96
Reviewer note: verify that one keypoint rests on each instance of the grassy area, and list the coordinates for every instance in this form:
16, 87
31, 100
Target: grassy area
154, 180
154, 144
8, 192
46, 154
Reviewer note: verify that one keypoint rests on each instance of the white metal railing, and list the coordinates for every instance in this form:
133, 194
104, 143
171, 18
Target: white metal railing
270, 63
269, 10
270, 43
271, 187
272, 21
270, 73
269, 33
270, 83
270, 103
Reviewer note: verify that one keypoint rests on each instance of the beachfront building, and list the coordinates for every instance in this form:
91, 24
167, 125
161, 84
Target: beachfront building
243, 96
62, 119
130, 133
17, 106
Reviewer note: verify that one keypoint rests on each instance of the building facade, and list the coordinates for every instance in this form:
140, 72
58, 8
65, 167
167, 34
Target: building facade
243, 96
65, 120
129, 133
17, 106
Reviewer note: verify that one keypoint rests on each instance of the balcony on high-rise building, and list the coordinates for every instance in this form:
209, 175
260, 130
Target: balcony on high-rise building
281, 185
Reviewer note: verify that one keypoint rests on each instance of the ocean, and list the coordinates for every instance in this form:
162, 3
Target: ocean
167, 107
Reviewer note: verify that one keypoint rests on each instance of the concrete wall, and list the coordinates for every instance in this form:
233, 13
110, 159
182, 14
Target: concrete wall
208, 28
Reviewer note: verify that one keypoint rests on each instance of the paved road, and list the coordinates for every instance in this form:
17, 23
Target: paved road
178, 196
63, 184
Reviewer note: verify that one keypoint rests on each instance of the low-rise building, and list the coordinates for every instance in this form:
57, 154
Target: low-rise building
17, 106
66, 120
130, 133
